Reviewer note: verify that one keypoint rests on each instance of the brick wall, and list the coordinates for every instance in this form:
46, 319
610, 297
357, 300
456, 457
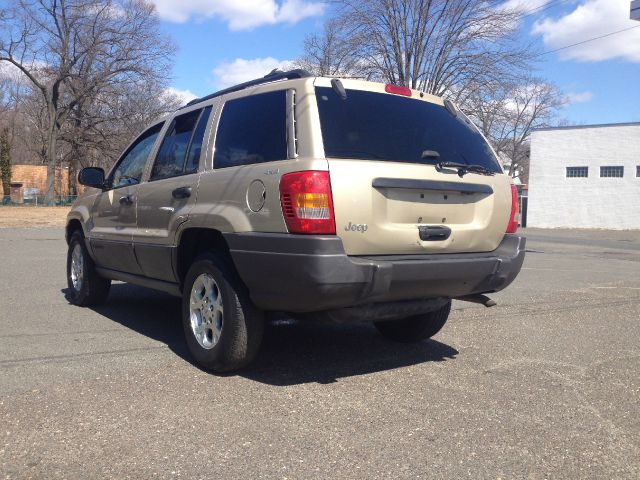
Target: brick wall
35, 176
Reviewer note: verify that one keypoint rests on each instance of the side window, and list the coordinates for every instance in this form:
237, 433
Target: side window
131, 165
193, 157
172, 152
252, 130
181, 146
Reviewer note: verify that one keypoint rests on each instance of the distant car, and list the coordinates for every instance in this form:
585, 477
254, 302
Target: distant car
336, 199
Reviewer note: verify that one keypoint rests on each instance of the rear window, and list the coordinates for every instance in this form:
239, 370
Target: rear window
378, 126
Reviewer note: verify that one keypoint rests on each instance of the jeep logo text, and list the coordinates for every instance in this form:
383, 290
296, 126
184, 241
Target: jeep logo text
356, 227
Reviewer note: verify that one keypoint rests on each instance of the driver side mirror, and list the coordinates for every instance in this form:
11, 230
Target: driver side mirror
92, 177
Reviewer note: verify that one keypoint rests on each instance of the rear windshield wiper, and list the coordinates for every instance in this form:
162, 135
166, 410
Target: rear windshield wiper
464, 168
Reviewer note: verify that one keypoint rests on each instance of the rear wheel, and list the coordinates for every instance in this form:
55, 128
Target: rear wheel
222, 328
86, 287
416, 328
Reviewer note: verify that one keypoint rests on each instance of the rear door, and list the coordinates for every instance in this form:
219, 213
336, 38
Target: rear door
389, 197
165, 200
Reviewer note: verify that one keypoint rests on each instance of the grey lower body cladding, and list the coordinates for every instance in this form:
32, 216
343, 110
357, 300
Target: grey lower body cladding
300, 273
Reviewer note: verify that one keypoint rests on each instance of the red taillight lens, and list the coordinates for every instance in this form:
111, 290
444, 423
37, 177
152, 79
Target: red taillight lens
512, 226
307, 203
398, 90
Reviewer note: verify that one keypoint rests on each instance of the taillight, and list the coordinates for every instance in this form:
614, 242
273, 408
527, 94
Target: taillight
307, 203
512, 226
397, 89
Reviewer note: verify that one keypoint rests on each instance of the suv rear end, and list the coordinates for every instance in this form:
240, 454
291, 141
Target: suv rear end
388, 221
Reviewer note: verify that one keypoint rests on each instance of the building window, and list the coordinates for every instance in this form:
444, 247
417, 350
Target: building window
574, 172
637, 170
610, 172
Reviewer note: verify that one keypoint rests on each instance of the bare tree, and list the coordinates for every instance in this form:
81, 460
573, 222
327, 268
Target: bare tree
71, 50
334, 52
16, 94
508, 112
100, 127
438, 46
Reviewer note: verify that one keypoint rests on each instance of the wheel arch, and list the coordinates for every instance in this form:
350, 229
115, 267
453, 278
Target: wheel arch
72, 226
194, 241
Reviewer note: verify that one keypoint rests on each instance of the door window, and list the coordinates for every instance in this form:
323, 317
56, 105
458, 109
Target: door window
193, 157
181, 146
130, 167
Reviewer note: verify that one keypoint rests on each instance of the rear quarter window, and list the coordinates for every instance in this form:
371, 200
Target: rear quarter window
252, 130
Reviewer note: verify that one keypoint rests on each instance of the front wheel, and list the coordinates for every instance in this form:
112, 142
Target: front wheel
86, 287
222, 328
416, 328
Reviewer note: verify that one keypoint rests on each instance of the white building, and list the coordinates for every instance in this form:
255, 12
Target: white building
585, 177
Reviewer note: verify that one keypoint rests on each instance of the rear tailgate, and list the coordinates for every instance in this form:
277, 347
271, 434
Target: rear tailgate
379, 210
389, 198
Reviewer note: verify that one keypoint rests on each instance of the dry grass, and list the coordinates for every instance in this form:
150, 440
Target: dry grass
33, 217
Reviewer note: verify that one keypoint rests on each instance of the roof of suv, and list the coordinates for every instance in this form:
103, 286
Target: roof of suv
273, 76
278, 76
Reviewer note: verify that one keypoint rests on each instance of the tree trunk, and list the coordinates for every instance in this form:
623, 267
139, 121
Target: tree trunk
5, 164
49, 198
52, 143
73, 178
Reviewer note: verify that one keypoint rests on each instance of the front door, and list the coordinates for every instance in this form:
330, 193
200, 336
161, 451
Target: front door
113, 213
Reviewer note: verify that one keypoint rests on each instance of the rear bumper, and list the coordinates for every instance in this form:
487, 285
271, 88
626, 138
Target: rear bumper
298, 273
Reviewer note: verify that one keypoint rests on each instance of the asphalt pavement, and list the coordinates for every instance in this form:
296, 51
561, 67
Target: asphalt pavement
544, 385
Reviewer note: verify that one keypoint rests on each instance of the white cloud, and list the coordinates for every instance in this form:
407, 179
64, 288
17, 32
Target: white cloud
524, 6
8, 71
185, 96
292, 11
240, 14
593, 18
583, 97
240, 70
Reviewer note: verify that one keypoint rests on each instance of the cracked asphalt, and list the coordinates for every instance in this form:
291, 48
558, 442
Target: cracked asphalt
544, 385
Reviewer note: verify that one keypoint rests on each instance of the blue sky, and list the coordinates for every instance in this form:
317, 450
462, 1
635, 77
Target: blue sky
224, 42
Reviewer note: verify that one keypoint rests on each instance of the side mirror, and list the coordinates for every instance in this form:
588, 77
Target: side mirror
92, 177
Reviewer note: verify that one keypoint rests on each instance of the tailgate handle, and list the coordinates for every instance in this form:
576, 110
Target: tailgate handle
434, 234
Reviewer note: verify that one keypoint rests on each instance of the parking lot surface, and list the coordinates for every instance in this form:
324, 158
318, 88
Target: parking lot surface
544, 385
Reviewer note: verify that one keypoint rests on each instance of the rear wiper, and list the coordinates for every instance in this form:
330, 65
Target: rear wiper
480, 169
463, 168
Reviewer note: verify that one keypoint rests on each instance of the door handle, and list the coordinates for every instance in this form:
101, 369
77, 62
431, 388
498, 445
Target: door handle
126, 200
182, 192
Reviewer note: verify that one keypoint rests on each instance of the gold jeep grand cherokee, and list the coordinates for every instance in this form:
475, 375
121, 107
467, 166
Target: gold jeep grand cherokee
343, 200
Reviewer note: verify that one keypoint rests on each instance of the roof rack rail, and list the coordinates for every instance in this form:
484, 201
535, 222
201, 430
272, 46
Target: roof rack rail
272, 76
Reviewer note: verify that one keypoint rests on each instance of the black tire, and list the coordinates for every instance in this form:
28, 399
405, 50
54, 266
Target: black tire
242, 324
92, 289
416, 328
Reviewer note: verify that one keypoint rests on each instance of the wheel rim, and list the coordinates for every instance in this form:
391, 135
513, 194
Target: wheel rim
206, 311
77, 267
